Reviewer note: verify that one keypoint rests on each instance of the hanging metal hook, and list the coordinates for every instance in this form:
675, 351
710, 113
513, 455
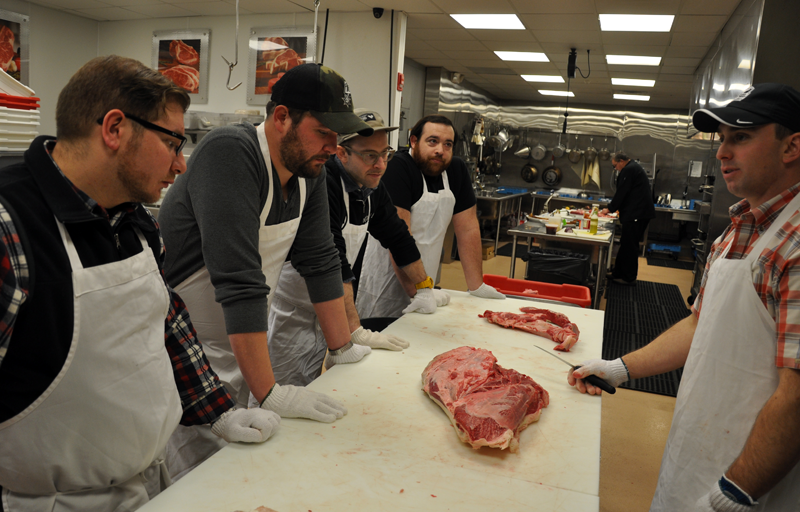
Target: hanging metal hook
236, 58
316, 12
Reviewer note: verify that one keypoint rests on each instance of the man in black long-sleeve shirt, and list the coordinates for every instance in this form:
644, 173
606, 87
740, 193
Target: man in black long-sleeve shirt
634, 202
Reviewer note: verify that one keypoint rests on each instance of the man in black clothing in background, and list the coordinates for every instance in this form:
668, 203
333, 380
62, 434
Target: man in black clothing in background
634, 202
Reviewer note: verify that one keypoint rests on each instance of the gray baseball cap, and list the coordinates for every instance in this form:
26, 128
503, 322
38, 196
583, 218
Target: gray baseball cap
373, 119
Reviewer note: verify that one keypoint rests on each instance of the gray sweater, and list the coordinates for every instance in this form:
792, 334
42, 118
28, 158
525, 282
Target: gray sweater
210, 217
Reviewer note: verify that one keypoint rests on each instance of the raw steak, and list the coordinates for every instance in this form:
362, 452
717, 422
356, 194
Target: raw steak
541, 322
284, 60
487, 404
184, 76
183, 53
7, 52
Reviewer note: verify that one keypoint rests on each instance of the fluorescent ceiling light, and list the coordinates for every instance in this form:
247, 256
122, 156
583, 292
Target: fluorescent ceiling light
633, 81
523, 56
636, 22
543, 78
631, 97
633, 60
557, 93
489, 21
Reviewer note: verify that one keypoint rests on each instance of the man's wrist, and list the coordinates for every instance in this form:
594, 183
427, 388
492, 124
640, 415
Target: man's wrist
341, 350
427, 283
735, 493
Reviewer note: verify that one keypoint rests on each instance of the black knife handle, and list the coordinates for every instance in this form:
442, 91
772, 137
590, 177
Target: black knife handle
596, 381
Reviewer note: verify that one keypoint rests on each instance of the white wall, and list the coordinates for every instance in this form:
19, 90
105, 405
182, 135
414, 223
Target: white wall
59, 44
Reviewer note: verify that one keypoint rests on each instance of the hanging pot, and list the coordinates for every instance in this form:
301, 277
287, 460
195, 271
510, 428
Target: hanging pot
524, 151
604, 153
575, 153
499, 139
529, 173
551, 176
559, 150
590, 153
538, 152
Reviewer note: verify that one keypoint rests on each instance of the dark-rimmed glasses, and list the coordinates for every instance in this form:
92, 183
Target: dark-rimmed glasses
156, 128
371, 157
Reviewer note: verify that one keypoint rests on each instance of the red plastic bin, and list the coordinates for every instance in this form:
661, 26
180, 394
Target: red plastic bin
579, 295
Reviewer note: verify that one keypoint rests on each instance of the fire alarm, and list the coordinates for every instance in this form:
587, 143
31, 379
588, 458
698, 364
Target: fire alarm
400, 81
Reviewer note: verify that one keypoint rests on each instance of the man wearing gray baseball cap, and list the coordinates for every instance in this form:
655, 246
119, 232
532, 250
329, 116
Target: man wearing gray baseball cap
358, 204
733, 444
252, 199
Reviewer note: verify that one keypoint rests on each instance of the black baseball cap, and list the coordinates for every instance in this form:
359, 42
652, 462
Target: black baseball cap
324, 93
760, 104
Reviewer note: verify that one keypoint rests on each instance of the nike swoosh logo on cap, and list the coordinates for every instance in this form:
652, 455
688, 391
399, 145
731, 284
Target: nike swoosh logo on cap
744, 122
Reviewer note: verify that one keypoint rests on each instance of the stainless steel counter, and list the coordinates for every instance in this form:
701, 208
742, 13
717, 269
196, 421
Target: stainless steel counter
501, 200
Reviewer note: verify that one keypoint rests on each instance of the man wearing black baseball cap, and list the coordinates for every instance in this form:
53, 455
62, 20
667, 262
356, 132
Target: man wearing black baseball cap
253, 198
733, 444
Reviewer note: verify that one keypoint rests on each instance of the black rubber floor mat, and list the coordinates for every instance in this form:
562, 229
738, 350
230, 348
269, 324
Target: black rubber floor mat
659, 262
617, 344
646, 291
505, 250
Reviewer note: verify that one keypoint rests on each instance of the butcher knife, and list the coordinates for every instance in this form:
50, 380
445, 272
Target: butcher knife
591, 379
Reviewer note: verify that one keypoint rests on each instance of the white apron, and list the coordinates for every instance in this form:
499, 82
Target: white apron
86, 443
296, 345
380, 293
189, 446
729, 375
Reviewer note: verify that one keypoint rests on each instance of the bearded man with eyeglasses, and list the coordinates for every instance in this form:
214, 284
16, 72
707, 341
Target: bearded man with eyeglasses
429, 187
359, 204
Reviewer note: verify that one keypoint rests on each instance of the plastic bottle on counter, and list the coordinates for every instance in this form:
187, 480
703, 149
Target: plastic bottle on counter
593, 220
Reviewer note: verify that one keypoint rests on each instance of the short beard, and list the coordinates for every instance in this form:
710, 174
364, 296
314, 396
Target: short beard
425, 165
133, 183
294, 157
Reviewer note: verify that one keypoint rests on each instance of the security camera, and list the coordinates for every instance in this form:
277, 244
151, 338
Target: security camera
377, 12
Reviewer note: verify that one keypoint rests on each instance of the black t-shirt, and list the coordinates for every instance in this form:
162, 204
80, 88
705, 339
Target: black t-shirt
403, 179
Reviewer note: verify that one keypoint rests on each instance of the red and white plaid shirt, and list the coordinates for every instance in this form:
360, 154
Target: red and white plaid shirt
776, 277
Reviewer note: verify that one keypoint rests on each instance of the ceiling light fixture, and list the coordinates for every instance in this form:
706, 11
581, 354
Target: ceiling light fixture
633, 81
523, 56
635, 97
568, 94
633, 60
543, 78
489, 21
636, 22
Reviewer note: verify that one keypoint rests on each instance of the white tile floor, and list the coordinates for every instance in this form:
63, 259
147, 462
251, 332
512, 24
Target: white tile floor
635, 424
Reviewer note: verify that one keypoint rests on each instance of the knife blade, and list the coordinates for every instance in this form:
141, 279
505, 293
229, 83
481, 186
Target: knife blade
591, 379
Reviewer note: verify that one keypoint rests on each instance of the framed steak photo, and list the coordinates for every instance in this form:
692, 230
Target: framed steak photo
182, 55
14, 45
274, 51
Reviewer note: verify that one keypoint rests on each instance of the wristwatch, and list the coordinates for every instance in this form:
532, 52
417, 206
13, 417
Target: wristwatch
428, 283
341, 350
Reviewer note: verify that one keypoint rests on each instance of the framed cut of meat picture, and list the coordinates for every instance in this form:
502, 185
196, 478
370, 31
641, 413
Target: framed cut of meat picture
14, 45
182, 55
273, 52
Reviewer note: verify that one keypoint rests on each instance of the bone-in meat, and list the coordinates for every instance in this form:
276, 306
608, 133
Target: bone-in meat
487, 404
541, 322
183, 53
184, 76
7, 52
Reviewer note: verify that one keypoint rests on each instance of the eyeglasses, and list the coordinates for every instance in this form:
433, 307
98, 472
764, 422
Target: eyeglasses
156, 128
371, 157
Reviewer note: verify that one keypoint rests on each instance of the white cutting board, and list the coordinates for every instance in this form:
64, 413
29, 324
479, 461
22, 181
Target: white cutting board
396, 438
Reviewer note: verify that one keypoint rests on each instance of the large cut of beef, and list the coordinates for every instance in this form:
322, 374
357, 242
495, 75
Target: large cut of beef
487, 404
7, 52
541, 322
284, 61
183, 53
184, 76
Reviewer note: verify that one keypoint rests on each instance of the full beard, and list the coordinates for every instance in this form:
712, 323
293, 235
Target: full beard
295, 158
427, 166
135, 183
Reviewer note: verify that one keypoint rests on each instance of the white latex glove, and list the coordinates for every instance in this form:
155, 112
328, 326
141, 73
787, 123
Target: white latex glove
485, 291
246, 425
352, 355
423, 302
299, 402
442, 297
614, 372
374, 339
717, 501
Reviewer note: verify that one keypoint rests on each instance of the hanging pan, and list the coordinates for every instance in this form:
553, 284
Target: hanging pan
529, 173
551, 176
575, 153
524, 151
604, 153
559, 150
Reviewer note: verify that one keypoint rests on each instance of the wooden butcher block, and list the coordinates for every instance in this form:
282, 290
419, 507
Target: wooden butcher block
396, 450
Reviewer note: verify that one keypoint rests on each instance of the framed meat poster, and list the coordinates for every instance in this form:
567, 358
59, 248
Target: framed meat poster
14, 45
182, 55
274, 51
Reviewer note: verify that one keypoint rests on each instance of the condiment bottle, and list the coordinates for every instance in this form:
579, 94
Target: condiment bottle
593, 220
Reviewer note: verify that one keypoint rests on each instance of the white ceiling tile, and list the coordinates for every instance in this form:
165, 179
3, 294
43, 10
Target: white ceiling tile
475, 6
409, 6
678, 61
697, 52
73, 4
568, 22
534, 68
597, 49
434, 21
667, 77
568, 37
433, 34
554, 6
425, 54
472, 56
270, 6
641, 75
624, 49
417, 44
110, 13
636, 39
502, 35
513, 46
161, 11
126, 3
725, 7
686, 23
637, 6
679, 70
211, 8
449, 45
693, 39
